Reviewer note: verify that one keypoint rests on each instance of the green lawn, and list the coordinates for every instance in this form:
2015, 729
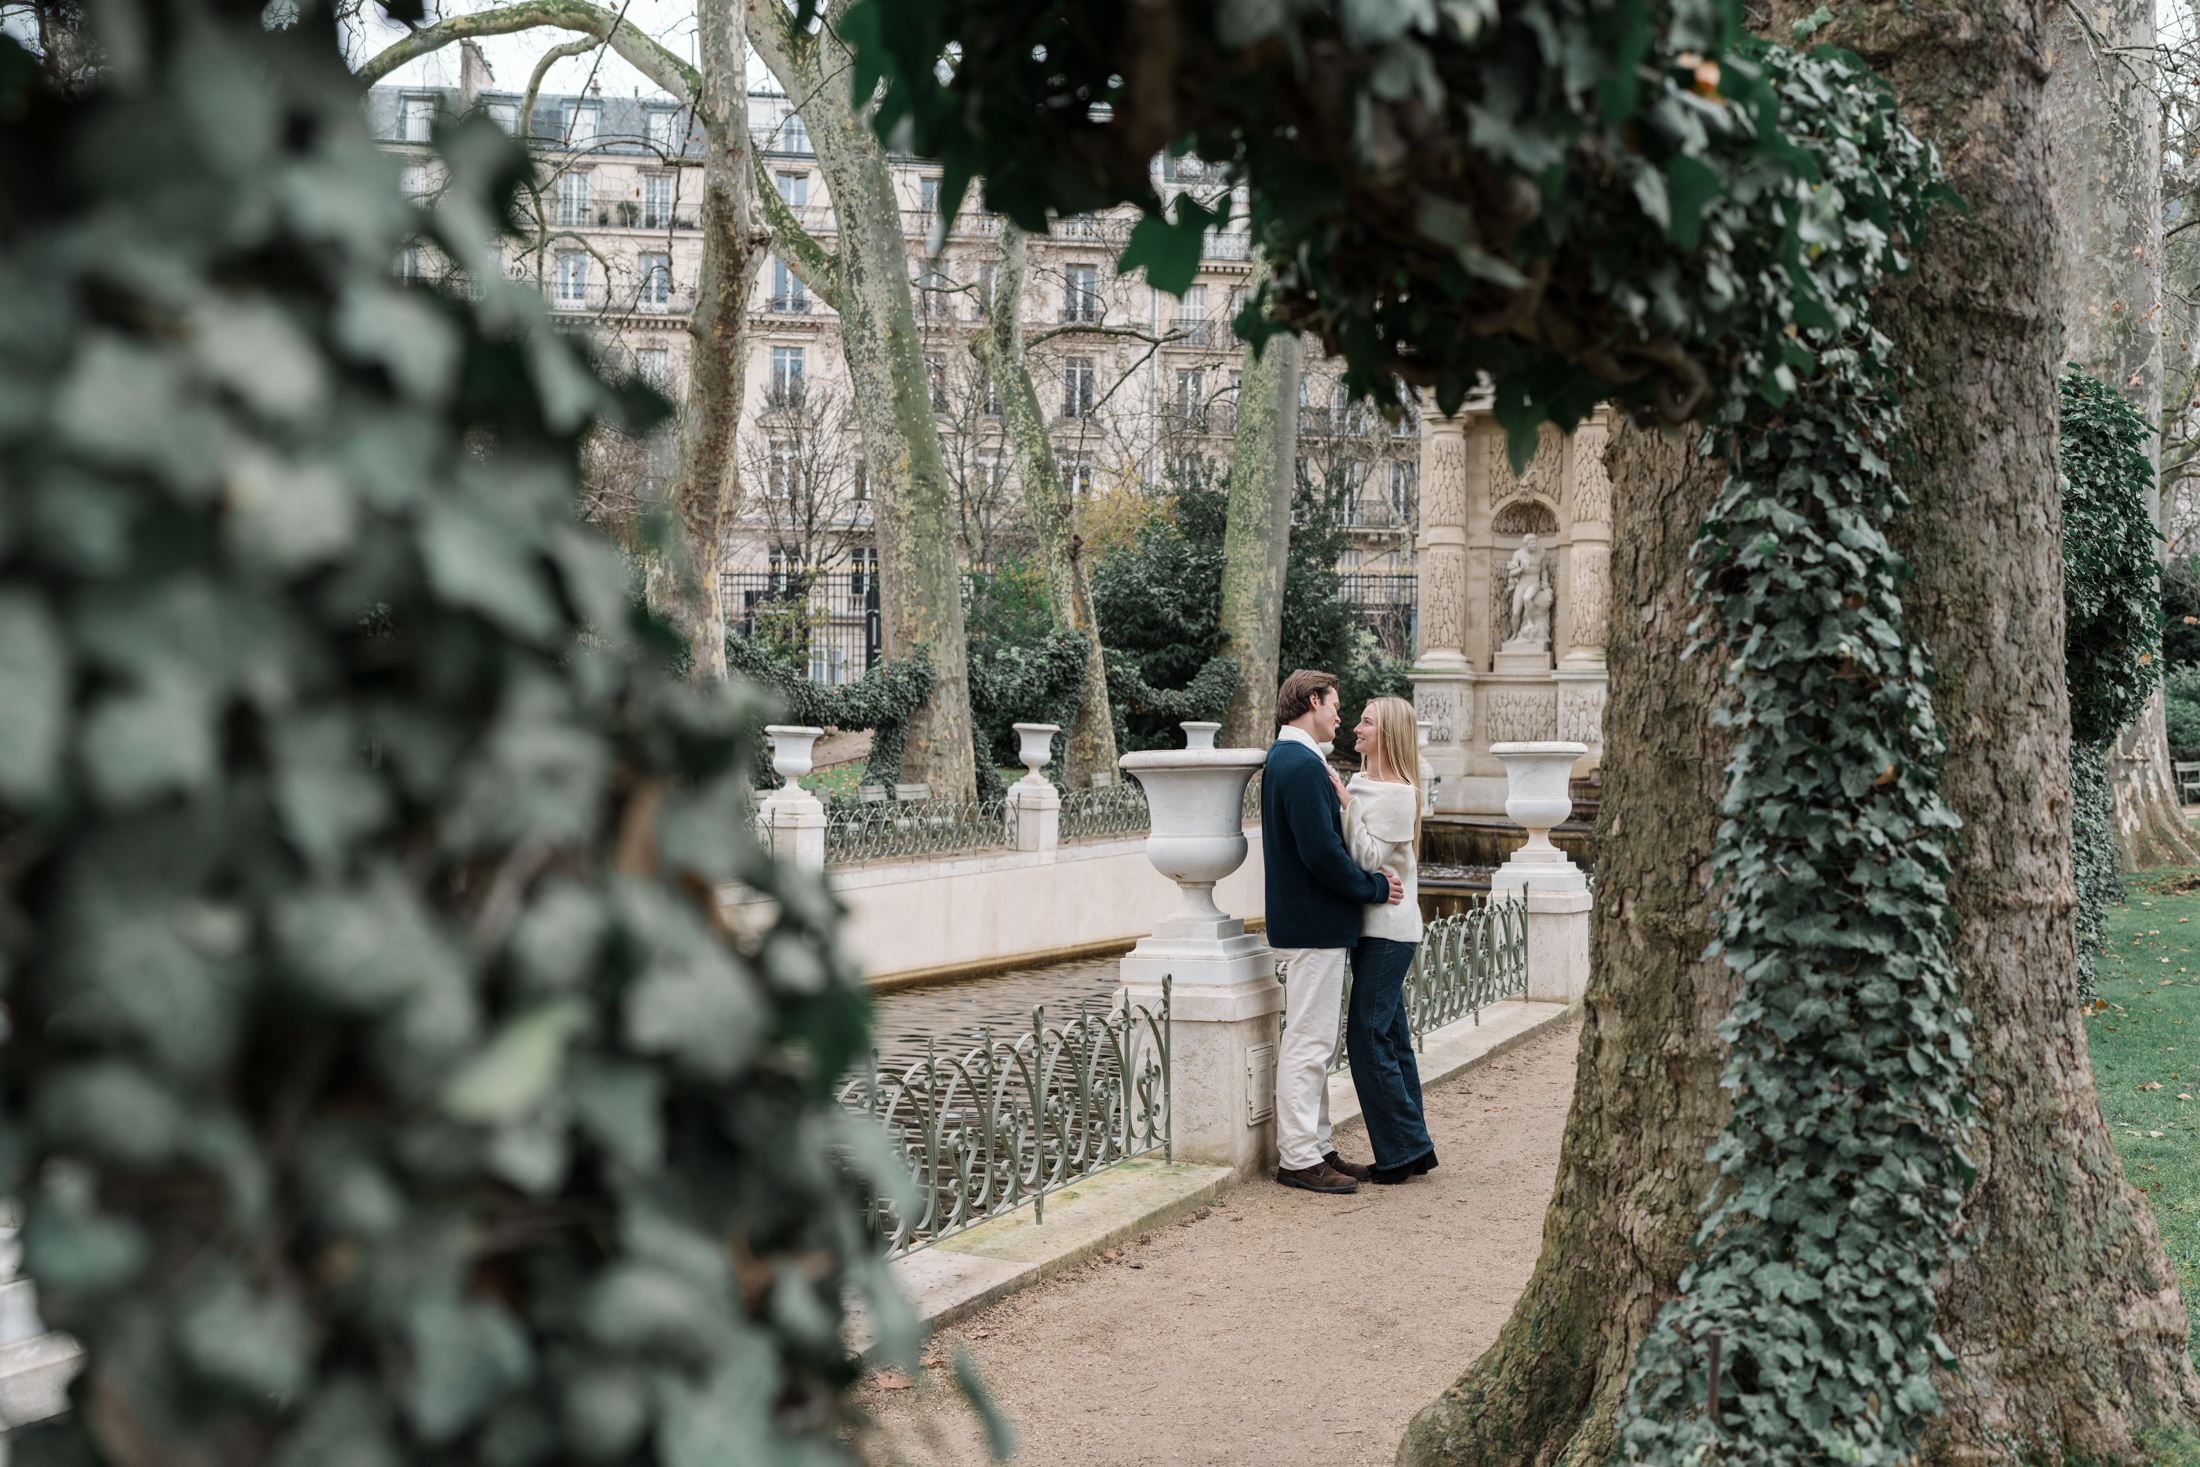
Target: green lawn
2146, 1054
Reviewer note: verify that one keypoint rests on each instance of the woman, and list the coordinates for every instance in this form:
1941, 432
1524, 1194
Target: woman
1382, 827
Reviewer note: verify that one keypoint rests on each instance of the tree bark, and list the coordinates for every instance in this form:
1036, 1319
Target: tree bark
1256, 542
706, 494
920, 573
1647, 1100
2104, 131
1090, 745
2064, 1311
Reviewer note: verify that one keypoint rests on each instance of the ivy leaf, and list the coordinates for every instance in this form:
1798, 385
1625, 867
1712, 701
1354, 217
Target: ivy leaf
1689, 185
34, 670
517, 1068
1168, 250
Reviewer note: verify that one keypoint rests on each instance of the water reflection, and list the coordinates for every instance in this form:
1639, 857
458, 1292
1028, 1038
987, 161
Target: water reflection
952, 1014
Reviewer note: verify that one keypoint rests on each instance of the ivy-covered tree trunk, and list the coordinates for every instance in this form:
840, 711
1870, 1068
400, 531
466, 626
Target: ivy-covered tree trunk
920, 571
706, 495
1090, 743
1257, 543
2064, 1311
1647, 1100
2104, 131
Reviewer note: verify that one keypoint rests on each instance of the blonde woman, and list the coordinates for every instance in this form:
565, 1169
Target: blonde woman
1382, 827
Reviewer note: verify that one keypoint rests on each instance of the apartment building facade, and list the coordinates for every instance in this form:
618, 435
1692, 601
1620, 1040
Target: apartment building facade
1140, 386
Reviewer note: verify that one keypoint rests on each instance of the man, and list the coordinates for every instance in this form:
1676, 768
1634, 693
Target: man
1315, 893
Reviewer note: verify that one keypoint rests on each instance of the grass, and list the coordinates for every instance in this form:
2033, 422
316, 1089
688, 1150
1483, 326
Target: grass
2145, 1044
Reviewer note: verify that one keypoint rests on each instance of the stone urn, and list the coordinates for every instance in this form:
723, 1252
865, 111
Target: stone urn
1537, 797
791, 746
1200, 735
1197, 833
1036, 749
1426, 727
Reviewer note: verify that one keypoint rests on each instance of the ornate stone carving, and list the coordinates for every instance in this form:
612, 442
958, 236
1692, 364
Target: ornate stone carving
1581, 712
1525, 517
1541, 475
1592, 601
1443, 600
1517, 715
1592, 501
1444, 490
1438, 707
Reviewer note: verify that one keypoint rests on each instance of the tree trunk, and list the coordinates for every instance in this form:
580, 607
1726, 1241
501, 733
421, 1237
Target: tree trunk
706, 494
920, 572
1647, 1100
2063, 1311
1090, 745
1257, 540
2104, 131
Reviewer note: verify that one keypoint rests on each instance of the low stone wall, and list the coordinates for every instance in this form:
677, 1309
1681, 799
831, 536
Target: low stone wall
908, 920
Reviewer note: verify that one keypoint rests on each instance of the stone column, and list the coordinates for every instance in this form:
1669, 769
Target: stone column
1224, 998
792, 820
1443, 681
1554, 890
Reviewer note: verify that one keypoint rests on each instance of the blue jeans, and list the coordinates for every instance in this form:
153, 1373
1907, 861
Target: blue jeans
1381, 1050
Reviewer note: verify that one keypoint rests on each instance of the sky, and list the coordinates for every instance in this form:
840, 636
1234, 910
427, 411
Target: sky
513, 57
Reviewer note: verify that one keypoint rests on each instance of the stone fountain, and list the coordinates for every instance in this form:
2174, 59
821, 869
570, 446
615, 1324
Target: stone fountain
1224, 997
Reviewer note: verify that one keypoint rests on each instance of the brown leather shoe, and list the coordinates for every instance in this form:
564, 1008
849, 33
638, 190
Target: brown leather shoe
1351, 1169
1323, 1178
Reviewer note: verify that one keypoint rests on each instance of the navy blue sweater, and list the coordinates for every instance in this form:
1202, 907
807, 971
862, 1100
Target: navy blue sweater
1315, 891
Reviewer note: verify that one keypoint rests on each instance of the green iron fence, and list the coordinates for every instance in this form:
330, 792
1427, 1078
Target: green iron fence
1014, 1119
1466, 962
1116, 810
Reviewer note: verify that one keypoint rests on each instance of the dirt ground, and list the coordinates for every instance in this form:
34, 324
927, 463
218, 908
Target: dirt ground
1281, 1328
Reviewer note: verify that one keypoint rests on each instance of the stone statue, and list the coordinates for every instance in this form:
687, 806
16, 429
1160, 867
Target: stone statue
1528, 588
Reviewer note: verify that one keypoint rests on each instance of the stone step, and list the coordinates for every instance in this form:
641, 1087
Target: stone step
35, 1376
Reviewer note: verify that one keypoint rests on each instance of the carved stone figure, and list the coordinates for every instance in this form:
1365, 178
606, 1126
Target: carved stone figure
1529, 592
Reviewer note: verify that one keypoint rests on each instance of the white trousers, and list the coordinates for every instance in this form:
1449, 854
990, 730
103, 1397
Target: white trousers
1313, 1025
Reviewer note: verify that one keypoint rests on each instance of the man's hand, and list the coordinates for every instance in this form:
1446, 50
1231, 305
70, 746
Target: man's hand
1397, 889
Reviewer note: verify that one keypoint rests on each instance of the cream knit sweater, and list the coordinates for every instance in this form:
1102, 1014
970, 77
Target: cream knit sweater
1378, 830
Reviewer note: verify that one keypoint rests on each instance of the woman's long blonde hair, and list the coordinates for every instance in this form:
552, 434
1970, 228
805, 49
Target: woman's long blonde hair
1398, 748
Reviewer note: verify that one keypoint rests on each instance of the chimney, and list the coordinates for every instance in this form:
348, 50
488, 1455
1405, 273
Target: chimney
473, 75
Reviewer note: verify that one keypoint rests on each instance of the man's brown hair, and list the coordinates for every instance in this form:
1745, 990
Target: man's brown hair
1299, 691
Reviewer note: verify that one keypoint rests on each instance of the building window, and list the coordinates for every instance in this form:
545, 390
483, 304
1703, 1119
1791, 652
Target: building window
407, 264
1076, 473
1191, 398
573, 200
861, 474
418, 120
992, 396
572, 280
1077, 382
656, 201
1191, 316
783, 473
928, 195
415, 181
990, 471
580, 125
794, 137
505, 115
794, 189
982, 302
789, 295
1405, 490
653, 364
935, 297
786, 383
935, 374
862, 570
656, 272
1081, 293
492, 263
663, 130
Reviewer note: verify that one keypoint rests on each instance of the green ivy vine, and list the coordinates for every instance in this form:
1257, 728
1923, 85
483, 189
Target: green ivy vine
1160, 710
2112, 639
882, 700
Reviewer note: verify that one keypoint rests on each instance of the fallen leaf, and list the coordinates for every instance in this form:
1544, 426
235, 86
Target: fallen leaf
886, 1380
2151, 1085
2154, 1133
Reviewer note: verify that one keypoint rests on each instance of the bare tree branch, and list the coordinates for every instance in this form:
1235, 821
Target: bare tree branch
644, 54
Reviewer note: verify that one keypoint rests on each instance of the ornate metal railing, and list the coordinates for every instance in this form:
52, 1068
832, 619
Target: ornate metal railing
1117, 810
1015, 1119
861, 831
1466, 962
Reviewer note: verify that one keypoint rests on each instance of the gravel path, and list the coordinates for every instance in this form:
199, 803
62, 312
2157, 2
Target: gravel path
1279, 1329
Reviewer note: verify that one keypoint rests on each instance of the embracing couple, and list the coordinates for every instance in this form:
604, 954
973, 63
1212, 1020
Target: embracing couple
1340, 867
